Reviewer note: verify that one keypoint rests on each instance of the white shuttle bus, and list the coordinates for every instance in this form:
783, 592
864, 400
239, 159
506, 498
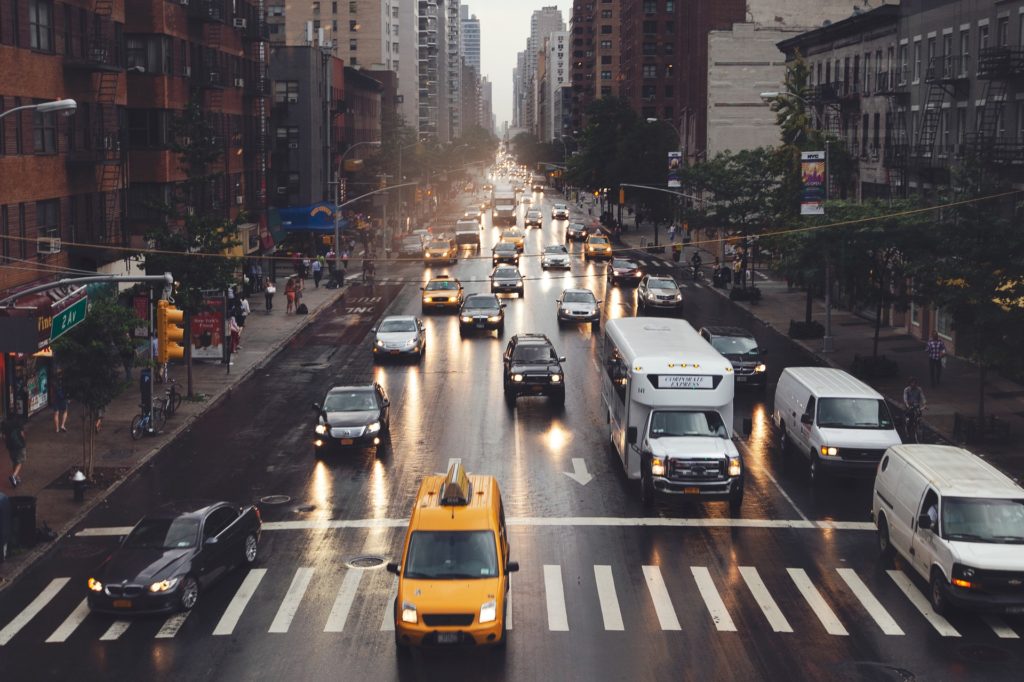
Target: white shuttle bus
669, 396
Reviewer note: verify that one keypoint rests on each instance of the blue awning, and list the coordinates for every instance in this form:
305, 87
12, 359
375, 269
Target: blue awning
317, 217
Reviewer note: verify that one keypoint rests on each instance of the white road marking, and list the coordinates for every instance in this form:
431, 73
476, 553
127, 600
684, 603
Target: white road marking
999, 626
172, 625
765, 600
817, 603
712, 599
233, 612
343, 602
609, 600
387, 624
70, 623
941, 625
778, 486
33, 609
116, 629
659, 596
579, 471
870, 602
290, 604
558, 620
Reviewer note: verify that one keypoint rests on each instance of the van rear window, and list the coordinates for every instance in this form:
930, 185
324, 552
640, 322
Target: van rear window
853, 413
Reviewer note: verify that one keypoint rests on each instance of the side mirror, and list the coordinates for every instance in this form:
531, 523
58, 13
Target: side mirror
748, 426
806, 419
631, 435
385, 402
392, 567
924, 521
316, 408
512, 567
423, 289
503, 305
561, 358
210, 541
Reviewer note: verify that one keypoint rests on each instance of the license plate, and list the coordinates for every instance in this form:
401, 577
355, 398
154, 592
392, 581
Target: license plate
346, 441
691, 491
536, 389
741, 379
447, 638
479, 325
122, 603
394, 352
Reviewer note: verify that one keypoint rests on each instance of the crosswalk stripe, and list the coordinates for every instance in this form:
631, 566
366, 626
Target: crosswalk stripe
941, 625
70, 623
292, 599
609, 601
712, 600
817, 603
558, 619
659, 596
869, 602
387, 624
171, 626
32, 610
116, 629
343, 602
765, 600
233, 612
999, 626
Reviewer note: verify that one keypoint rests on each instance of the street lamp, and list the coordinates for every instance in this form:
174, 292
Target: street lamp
337, 210
68, 106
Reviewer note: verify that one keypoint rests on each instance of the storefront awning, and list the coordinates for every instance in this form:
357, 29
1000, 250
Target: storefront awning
314, 218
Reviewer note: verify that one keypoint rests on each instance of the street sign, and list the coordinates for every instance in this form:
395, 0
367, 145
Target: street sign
68, 312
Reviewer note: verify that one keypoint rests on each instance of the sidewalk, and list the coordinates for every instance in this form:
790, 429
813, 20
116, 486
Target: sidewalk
51, 455
853, 335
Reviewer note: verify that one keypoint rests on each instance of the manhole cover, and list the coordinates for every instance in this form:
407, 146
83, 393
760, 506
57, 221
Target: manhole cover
365, 562
275, 499
983, 653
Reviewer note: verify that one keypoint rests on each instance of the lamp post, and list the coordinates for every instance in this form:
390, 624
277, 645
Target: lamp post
68, 106
337, 203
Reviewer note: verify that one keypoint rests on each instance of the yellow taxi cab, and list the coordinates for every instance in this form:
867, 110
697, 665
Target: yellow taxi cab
442, 292
515, 236
441, 249
597, 246
453, 578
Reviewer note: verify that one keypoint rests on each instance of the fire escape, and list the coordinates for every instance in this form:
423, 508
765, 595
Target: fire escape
257, 88
897, 145
830, 103
945, 75
999, 67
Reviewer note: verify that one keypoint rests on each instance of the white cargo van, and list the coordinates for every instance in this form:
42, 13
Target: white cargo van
833, 420
669, 396
958, 521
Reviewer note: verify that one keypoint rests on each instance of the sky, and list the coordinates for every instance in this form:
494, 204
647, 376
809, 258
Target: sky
504, 28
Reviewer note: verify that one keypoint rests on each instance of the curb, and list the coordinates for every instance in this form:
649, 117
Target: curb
39, 552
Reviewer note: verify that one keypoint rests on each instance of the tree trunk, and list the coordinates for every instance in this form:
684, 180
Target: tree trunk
809, 303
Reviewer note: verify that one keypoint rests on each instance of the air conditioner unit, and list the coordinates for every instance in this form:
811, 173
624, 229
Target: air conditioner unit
239, 200
238, 23
188, 72
48, 244
293, 145
239, 82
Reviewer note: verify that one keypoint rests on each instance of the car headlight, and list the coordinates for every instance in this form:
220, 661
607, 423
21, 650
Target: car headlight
494, 318
452, 299
678, 297
380, 343
466, 318
517, 377
556, 378
321, 429
163, 585
411, 342
566, 311
488, 612
734, 466
651, 295
373, 428
760, 368
963, 576
657, 467
829, 451
409, 613
94, 585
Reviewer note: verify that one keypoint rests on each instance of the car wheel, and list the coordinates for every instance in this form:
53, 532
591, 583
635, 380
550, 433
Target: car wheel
736, 501
783, 441
937, 593
510, 398
189, 594
884, 542
558, 399
646, 486
501, 329
596, 324
250, 549
815, 472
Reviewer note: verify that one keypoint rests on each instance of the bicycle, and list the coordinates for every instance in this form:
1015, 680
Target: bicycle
912, 424
173, 398
149, 422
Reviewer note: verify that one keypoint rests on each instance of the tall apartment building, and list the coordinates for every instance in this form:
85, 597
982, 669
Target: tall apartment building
453, 61
519, 90
433, 103
470, 97
487, 105
584, 89
542, 22
557, 61
469, 37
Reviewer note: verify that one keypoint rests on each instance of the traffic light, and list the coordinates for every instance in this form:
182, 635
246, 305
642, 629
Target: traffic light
168, 333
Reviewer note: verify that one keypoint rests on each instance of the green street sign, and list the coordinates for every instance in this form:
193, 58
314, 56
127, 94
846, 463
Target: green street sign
67, 318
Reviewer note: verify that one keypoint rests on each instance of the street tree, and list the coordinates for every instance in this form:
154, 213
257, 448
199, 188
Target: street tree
92, 357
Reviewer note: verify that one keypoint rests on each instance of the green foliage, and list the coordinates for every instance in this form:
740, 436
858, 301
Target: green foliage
599, 164
742, 189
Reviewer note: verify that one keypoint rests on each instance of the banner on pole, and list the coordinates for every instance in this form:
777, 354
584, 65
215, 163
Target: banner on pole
675, 161
812, 180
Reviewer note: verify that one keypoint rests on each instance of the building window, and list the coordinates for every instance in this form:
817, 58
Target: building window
353, 45
1003, 32
961, 127
286, 92
650, 71
903, 65
982, 37
945, 132
48, 218
929, 65
606, 14
334, 8
606, 44
22, 232
606, 29
944, 323
915, 314
670, 6
876, 140
606, 75
44, 133
917, 60
668, 48
965, 52
650, 49
650, 27
353, 25
289, 133
606, 59
40, 25
650, 6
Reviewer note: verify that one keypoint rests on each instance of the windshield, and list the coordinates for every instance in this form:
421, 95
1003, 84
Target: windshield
412, 241
505, 246
661, 284
623, 264
734, 345
397, 326
598, 240
451, 555
350, 401
853, 413
180, 533
681, 424
578, 297
557, 249
480, 302
533, 354
506, 273
438, 245
434, 286
983, 520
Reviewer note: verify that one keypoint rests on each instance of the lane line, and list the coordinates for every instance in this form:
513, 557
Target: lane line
870, 603
764, 599
558, 619
609, 600
233, 612
659, 596
32, 610
817, 603
343, 602
712, 599
906, 585
70, 623
748, 456
172, 625
116, 629
999, 626
290, 604
387, 624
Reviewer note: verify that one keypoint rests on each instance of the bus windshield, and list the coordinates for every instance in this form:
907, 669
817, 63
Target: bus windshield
684, 424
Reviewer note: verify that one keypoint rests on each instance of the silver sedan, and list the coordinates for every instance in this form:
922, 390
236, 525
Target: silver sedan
578, 305
399, 336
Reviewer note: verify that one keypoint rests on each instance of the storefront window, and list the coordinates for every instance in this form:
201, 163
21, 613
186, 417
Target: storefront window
944, 323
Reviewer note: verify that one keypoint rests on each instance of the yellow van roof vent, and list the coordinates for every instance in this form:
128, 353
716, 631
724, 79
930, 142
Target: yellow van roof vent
455, 491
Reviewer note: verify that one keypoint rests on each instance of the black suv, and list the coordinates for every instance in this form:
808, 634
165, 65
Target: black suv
481, 311
739, 347
532, 367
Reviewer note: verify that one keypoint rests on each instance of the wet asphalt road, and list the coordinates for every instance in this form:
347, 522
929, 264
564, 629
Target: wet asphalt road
694, 593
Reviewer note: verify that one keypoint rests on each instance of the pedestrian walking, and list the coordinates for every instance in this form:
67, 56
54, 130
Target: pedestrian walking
289, 293
936, 351
305, 267
243, 312
236, 334
60, 408
14, 439
318, 272
672, 232
268, 294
